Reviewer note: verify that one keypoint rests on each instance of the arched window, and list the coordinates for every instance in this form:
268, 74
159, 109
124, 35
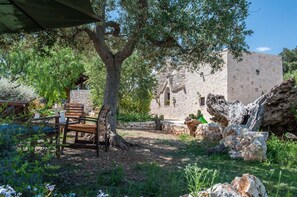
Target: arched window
167, 96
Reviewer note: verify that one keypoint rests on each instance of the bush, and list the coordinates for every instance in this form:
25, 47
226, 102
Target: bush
15, 92
19, 167
282, 152
134, 117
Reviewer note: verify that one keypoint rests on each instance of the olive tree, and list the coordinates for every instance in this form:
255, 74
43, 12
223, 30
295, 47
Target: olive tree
189, 31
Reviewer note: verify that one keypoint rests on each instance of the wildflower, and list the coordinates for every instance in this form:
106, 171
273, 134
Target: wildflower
29, 187
102, 194
72, 195
50, 187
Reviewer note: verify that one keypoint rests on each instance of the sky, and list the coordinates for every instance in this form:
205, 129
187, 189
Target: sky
274, 23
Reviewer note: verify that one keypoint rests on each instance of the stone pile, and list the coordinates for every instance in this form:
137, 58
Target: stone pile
245, 144
240, 142
245, 186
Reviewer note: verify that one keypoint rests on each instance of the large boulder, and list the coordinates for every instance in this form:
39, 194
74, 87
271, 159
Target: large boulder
245, 186
220, 190
210, 132
249, 186
247, 145
271, 111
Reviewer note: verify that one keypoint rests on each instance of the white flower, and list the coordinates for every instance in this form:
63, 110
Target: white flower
35, 189
102, 194
50, 187
29, 187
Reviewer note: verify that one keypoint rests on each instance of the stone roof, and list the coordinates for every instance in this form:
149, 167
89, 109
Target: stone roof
175, 78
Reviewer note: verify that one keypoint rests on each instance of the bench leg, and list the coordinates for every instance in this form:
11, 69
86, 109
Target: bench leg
58, 147
64, 140
97, 143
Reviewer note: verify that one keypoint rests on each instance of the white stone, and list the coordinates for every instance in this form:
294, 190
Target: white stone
220, 190
245, 186
249, 186
210, 132
248, 145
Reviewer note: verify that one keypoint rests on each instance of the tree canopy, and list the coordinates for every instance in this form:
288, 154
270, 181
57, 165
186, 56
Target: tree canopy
189, 31
289, 59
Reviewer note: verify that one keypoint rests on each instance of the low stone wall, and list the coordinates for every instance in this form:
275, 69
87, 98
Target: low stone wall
175, 128
150, 125
167, 126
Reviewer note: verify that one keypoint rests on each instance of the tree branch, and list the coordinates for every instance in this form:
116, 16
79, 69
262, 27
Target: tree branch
116, 28
131, 44
100, 45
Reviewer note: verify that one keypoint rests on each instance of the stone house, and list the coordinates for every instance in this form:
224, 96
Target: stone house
183, 92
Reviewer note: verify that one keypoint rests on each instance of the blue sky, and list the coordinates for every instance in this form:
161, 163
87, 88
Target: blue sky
274, 23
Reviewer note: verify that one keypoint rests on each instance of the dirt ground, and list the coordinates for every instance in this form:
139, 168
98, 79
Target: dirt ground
152, 147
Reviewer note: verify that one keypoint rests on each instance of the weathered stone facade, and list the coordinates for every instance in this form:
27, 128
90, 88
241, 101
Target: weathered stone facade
83, 97
183, 92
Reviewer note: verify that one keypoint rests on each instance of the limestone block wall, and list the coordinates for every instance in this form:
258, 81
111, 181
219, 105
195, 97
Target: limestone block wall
84, 97
188, 100
244, 81
253, 77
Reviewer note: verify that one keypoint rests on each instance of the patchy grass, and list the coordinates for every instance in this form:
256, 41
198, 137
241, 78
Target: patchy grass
161, 166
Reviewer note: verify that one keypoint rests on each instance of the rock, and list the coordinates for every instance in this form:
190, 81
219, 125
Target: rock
249, 186
272, 111
224, 112
192, 125
247, 145
290, 136
220, 190
245, 186
211, 132
233, 130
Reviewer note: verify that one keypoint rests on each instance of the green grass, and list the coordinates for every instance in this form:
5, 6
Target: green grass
180, 179
195, 171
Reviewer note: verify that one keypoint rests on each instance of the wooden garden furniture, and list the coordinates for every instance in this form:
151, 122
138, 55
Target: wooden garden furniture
97, 127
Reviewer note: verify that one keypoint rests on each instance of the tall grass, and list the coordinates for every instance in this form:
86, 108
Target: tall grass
282, 152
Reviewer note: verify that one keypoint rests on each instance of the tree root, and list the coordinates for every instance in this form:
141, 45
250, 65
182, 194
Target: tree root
117, 141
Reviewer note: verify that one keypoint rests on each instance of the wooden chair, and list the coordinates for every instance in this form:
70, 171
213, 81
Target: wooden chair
97, 127
74, 110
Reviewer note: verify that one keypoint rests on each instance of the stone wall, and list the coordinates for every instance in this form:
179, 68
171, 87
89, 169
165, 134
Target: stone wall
167, 127
82, 96
150, 125
244, 81
187, 100
253, 77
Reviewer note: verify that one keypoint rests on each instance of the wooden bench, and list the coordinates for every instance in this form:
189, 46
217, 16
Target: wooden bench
97, 127
74, 110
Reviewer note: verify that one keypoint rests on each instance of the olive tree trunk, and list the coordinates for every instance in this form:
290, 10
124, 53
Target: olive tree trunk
113, 65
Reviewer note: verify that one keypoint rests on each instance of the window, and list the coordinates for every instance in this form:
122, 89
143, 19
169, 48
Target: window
167, 96
202, 101
258, 71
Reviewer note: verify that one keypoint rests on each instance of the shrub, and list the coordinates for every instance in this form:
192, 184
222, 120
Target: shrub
15, 92
19, 167
134, 117
199, 179
282, 152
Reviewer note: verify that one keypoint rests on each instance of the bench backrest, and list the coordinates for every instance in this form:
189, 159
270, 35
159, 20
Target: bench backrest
74, 110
